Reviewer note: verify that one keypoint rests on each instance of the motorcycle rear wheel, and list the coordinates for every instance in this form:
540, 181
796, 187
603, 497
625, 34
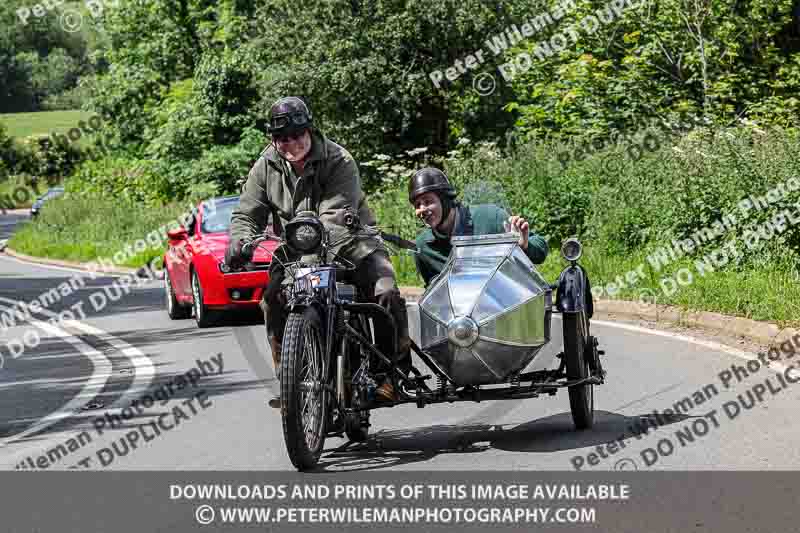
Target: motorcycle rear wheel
304, 400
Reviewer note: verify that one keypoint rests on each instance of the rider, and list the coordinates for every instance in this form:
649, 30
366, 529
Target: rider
302, 170
433, 198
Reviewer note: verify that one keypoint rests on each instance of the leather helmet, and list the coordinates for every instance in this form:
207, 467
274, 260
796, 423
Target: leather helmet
288, 116
428, 180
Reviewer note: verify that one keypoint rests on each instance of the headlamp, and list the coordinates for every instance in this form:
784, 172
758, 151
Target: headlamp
571, 250
304, 233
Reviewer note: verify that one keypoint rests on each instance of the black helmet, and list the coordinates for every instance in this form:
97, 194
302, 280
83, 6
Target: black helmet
428, 180
289, 115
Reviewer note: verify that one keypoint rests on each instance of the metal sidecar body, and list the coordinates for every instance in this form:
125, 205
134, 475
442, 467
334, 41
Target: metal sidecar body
488, 314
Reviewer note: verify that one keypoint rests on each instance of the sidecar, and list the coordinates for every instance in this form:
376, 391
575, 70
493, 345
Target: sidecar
487, 318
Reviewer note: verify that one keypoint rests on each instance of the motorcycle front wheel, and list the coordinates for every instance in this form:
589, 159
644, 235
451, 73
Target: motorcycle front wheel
581, 397
304, 400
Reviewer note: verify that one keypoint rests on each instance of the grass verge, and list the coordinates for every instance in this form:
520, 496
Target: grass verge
79, 228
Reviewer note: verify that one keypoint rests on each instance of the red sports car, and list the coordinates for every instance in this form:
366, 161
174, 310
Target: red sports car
195, 278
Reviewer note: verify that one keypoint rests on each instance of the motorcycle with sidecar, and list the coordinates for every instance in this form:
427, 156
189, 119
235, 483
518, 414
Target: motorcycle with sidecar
479, 325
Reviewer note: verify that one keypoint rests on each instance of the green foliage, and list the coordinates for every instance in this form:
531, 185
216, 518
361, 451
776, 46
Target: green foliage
123, 178
722, 59
73, 98
7, 154
226, 92
37, 58
624, 211
364, 66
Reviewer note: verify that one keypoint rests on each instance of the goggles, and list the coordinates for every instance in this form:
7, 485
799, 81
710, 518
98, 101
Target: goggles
296, 119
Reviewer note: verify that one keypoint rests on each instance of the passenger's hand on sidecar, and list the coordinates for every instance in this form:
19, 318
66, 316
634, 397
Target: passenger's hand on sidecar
520, 225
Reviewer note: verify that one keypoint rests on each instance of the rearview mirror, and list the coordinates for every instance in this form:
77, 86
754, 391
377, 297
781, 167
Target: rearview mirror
179, 234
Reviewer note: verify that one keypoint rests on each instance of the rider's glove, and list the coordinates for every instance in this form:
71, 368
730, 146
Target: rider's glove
386, 293
237, 254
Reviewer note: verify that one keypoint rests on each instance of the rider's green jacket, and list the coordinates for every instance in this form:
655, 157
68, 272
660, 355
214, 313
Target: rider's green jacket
330, 182
434, 248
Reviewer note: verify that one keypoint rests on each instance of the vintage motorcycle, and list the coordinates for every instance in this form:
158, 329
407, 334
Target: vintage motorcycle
479, 324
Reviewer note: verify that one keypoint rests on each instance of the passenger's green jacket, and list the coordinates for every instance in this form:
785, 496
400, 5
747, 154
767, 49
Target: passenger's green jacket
329, 183
434, 248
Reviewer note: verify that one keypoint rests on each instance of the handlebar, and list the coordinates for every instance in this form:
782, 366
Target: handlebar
249, 247
399, 241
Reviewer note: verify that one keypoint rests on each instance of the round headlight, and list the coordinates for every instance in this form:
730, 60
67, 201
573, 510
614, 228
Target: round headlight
571, 250
306, 238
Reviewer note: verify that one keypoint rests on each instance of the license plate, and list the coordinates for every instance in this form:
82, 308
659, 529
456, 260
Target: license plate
317, 279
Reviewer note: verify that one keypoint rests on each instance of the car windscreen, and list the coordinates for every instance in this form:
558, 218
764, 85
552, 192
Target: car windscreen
218, 220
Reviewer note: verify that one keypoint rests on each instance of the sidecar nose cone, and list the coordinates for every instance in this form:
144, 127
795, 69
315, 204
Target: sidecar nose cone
463, 331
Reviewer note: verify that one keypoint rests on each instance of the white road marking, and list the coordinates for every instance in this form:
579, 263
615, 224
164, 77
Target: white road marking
143, 365
101, 371
63, 269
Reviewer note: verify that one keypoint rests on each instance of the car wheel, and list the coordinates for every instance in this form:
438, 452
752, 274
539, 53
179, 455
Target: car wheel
175, 309
202, 314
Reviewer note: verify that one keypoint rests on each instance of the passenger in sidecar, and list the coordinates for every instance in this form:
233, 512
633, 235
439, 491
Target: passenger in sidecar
434, 201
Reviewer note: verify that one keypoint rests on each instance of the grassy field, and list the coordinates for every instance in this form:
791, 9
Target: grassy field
42, 123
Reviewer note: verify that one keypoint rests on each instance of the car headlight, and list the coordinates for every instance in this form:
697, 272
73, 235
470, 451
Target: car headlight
571, 250
224, 267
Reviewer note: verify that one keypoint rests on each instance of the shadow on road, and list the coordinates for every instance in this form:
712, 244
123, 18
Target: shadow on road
166, 386
554, 433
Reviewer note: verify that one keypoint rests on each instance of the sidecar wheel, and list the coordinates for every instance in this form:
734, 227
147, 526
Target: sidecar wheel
581, 397
304, 400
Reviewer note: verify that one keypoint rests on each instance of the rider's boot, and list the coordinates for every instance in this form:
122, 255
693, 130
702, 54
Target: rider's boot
275, 347
387, 392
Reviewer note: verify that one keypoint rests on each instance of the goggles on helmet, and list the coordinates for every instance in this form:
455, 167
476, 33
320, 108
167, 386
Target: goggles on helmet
294, 120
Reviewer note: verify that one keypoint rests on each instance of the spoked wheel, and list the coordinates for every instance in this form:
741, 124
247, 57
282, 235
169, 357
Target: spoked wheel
175, 309
304, 400
581, 397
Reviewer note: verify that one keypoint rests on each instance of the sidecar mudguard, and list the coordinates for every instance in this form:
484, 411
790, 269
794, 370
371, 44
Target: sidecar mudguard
574, 291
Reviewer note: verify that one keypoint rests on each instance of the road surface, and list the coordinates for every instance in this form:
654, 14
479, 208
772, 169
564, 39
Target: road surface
61, 399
